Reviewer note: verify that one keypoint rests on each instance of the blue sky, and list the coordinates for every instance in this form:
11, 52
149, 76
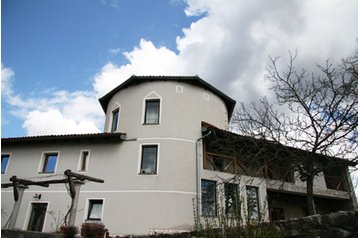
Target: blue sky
59, 57
61, 45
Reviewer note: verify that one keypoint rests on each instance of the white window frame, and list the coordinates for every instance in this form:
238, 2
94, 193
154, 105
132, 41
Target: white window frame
216, 198
117, 106
79, 166
42, 161
140, 173
260, 211
8, 162
28, 213
151, 96
85, 218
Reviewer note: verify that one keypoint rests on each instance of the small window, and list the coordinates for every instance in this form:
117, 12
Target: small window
49, 162
115, 117
95, 207
232, 199
4, 162
252, 196
152, 111
149, 159
83, 161
208, 198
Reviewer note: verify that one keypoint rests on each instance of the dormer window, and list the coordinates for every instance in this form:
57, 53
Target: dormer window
115, 117
152, 108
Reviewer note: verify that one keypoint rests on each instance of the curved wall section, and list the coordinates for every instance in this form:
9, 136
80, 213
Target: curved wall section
182, 109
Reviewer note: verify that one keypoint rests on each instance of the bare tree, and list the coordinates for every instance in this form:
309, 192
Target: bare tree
314, 112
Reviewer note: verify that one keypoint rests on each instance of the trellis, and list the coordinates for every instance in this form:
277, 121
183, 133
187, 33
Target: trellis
75, 180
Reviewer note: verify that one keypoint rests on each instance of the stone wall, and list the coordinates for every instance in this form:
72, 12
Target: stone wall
334, 225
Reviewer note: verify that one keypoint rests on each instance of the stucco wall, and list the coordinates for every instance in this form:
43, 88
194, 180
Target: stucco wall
152, 200
181, 113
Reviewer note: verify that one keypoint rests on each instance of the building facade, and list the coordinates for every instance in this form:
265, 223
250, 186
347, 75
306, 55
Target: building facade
153, 164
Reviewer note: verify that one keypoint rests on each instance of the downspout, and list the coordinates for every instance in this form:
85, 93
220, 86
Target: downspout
198, 182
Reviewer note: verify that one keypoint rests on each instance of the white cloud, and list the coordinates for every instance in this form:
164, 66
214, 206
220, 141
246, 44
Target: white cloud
229, 45
7, 76
143, 60
55, 112
54, 122
114, 51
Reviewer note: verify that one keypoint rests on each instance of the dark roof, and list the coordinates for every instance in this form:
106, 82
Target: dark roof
96, 137
194, 80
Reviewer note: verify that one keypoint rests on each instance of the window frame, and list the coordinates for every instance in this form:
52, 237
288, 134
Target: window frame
44, 160
29, 213
141, 169
215, 199
80, 161
151, 100
257, 194
115, 121
89, 209
236, 203
7, 163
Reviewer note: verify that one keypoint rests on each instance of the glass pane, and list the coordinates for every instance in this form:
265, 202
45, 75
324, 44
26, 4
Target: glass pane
149, 159
115, 115
84, 161
208, 198
37, 216
50, 163
95, 210
252, 202
232, 201
4, 162
152, 112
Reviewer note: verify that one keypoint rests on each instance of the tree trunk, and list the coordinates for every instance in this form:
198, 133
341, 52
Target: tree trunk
311, 208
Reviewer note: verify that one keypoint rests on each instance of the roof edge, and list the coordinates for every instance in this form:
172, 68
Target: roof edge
117, 136
195, 80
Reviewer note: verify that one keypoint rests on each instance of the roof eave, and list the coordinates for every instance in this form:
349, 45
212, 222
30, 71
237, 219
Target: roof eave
229, 102
97, 137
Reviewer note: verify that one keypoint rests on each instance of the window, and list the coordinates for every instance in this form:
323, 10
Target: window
208, 198
37, 216
149, 159
49, 163
95, 207
4, 162
152, 111
252, 196
232, 199
115, 117
83, 160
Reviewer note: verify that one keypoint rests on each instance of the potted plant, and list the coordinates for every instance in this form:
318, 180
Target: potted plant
69, 231
93, 230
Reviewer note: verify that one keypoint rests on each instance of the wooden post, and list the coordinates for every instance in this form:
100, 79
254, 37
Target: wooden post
15, 211
77, 186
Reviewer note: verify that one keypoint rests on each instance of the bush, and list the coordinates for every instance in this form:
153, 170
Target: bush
69, 231
93, 230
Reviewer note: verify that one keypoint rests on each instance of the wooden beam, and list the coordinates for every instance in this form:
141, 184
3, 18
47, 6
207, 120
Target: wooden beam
82, 177
26, 182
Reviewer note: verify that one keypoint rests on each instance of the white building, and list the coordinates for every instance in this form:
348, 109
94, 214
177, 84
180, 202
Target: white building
147, 158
